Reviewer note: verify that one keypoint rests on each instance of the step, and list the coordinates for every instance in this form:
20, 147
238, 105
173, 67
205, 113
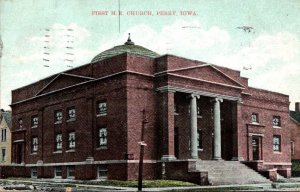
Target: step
230, 172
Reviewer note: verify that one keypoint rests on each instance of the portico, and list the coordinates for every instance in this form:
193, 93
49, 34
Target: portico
197, 124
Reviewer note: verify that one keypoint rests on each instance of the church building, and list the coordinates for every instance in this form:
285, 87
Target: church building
86, 123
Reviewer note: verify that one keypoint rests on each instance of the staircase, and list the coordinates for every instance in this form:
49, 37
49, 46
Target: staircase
230, 172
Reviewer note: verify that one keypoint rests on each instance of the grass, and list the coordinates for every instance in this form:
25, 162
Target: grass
217, 189
146, 183
295, 168
19, 178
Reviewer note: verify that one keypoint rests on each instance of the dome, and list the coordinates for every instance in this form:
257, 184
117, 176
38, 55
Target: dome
128, 47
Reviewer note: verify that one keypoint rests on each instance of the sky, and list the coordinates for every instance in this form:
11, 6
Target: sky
260, 38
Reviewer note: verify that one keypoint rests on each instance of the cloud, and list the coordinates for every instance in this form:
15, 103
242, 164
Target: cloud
59, 44
183, 38
274, 58
281, 47
62, 45
275, 63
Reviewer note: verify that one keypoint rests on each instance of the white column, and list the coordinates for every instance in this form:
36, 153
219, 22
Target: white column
217, 129
193, 105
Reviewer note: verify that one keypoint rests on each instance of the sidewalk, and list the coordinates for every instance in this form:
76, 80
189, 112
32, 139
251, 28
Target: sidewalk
53, 184
45, 185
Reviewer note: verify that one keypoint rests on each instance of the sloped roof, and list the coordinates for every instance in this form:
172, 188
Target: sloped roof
7, 117
295, 115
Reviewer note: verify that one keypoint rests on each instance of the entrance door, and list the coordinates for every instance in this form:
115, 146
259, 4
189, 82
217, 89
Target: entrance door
19, 154
255, 148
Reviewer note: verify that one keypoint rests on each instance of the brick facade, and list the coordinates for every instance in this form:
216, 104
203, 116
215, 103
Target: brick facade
295, 132
129, 83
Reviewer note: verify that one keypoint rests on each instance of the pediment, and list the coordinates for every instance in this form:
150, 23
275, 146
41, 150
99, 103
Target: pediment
208, 73
63, 80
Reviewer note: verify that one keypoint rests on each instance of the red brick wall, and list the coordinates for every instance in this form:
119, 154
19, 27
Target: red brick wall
267, 105
295, 137
140, 96
126, 96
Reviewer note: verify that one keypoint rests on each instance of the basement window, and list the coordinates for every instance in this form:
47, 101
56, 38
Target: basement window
102, 172
57, 172
71, 172
33, 172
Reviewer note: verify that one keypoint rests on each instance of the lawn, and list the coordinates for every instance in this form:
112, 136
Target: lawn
146, 183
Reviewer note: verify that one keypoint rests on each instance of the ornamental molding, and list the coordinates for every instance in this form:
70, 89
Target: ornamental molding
169, 88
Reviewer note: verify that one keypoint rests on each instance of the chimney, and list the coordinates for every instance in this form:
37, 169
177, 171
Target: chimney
297, 106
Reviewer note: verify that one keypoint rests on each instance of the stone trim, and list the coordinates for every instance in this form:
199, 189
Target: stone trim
180, 69
206, 81
201, 93
256, 134
166, 158
264, 108
193, 67
60, 74
255, 124
277, 163
71, 86
85, 163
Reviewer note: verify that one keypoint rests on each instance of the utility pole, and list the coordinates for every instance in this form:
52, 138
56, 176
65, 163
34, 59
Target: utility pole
1, 48
142, 144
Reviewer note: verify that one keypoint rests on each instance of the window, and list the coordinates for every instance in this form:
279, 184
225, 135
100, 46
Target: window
199, 139
58, 142
33, 172
3, 135
198, 110
34, 121
292, 148
101, 108
276, 121
57, 172
20, 122
71, 140
254, 118
71, 171
277, 143
3, 155
58, 116
175, 108
34, 145
71, 113
102, 171
102, 137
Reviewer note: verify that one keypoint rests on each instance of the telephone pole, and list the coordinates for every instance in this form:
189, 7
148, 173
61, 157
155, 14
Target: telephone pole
1, 48
142, 144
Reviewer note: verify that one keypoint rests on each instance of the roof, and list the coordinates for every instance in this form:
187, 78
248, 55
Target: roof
295, 115
7, 117
128, 47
